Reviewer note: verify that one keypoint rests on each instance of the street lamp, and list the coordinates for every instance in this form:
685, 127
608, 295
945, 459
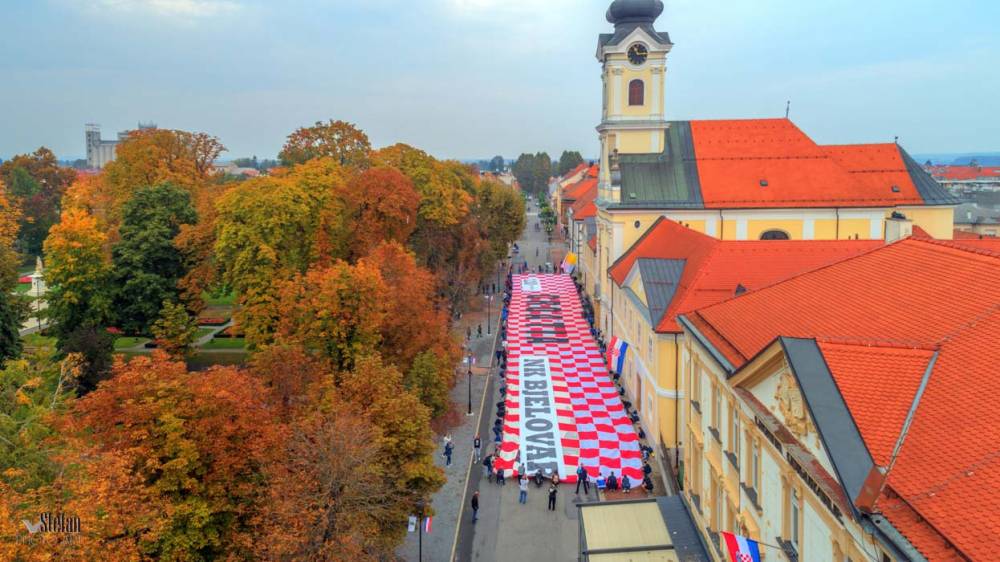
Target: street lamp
420, 530
489, 313
469, 413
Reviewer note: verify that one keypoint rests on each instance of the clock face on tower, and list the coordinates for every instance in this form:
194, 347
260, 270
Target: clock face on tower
637, 54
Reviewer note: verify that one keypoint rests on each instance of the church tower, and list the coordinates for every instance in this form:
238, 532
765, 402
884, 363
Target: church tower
634, 60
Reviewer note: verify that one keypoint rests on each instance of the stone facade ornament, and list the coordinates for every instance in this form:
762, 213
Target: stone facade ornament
792, 408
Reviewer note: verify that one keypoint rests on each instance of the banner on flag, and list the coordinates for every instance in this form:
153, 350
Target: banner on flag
427, 527
741, 549
411, 526
616, 354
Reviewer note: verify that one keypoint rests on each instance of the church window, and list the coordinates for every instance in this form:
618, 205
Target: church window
636, 92
775, 235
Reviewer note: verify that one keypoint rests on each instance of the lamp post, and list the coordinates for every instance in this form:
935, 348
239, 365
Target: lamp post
420, 530
489, 313
469, 413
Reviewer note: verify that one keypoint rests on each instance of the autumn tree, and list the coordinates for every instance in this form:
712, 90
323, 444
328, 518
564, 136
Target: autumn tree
500, 213
405, 444
339, 140
442, 199
11, 316
336, 311
172, 462
36, 183
174, 330
330, 500
267, 231
78, 274
382, 205
147, 263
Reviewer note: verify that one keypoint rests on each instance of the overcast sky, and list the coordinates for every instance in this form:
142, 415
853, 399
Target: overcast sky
474, 78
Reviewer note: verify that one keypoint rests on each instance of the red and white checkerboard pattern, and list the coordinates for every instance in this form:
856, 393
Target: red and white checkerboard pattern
595, 429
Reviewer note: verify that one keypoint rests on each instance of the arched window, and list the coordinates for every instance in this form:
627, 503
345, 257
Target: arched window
774, 235
636, 92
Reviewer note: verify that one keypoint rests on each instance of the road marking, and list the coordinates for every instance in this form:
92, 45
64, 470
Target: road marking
478, 422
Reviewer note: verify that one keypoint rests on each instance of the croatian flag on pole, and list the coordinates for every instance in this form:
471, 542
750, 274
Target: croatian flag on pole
616, 354
427, 527
741, 549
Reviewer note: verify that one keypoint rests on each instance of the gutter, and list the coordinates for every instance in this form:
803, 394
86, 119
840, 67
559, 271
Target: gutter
897, 544
719, 357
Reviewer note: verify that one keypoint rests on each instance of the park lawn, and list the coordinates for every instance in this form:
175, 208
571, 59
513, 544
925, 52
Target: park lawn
23, 288
39, 341
202, 332
220, 300
127, 342
225, 343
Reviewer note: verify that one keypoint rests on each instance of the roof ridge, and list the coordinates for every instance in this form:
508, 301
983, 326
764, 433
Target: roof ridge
995, 309
876, 343
956, 245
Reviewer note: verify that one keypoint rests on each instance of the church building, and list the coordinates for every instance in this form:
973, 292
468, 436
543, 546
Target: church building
742, 179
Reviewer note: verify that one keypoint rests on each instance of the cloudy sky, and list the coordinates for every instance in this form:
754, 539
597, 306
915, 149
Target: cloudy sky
474, 78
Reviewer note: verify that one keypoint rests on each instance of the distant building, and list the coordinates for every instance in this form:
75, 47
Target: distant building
967, 180
970, 217
99, 151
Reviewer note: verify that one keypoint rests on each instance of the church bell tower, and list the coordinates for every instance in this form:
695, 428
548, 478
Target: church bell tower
634, 61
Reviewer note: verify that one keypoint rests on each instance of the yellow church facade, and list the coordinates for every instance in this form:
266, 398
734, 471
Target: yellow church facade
731, 180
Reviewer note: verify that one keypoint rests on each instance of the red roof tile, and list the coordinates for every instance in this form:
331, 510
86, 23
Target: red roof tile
575, 191
734, 157
924, 294
948, 470
885, 294
965, 173
715, 268
585, 211
592, 243
878, 384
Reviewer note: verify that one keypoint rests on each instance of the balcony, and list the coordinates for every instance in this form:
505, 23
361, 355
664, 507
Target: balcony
788, 548
715, 434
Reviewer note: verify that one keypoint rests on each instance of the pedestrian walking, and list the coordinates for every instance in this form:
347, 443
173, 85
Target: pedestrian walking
501, 479
479, 331
523, 483
475, 506
448, 449
488, 468
552, 497
582, 478
626, 484
477, 444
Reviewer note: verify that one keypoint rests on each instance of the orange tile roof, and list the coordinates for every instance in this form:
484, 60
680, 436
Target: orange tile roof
923, 295
878, 384
960, 173
715, 268
885, 294
579, 168
575, 191
592, 243
585, 211
735, 156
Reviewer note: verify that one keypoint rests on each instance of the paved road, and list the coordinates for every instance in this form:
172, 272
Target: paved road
507, 530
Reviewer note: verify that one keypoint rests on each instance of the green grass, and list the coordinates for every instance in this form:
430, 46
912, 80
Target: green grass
23, 288
125, 343
202, 332
220, 300
39, 341
225, 343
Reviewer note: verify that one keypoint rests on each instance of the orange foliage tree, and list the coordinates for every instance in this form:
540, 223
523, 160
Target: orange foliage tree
340, 140
382, 205
170, 464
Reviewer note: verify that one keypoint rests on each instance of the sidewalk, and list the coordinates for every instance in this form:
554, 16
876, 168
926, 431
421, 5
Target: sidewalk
447, 503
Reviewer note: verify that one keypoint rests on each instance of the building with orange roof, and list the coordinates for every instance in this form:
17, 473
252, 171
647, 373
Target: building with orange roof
738, 179
581, 189
848, 413
559, 185
673, 269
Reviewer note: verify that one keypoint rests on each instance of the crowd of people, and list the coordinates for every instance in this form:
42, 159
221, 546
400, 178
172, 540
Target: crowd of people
612, 482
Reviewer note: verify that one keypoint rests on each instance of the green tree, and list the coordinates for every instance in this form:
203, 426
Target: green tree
497, 164
11, 316
147, 263
541, 172
174, 330
500, 211
568, 161
524, 171
427, 380
94, 346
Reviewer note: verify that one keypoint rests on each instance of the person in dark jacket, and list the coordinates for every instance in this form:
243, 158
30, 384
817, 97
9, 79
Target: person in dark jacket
448, 449
552, 497
582, 478
477, 445
475, 506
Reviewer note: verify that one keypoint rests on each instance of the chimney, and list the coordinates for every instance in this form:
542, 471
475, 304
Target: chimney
897, 227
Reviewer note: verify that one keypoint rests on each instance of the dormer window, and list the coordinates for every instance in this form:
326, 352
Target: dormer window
636, 92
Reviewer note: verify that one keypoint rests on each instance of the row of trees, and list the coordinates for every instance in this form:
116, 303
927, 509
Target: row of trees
347, 262
533, 171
